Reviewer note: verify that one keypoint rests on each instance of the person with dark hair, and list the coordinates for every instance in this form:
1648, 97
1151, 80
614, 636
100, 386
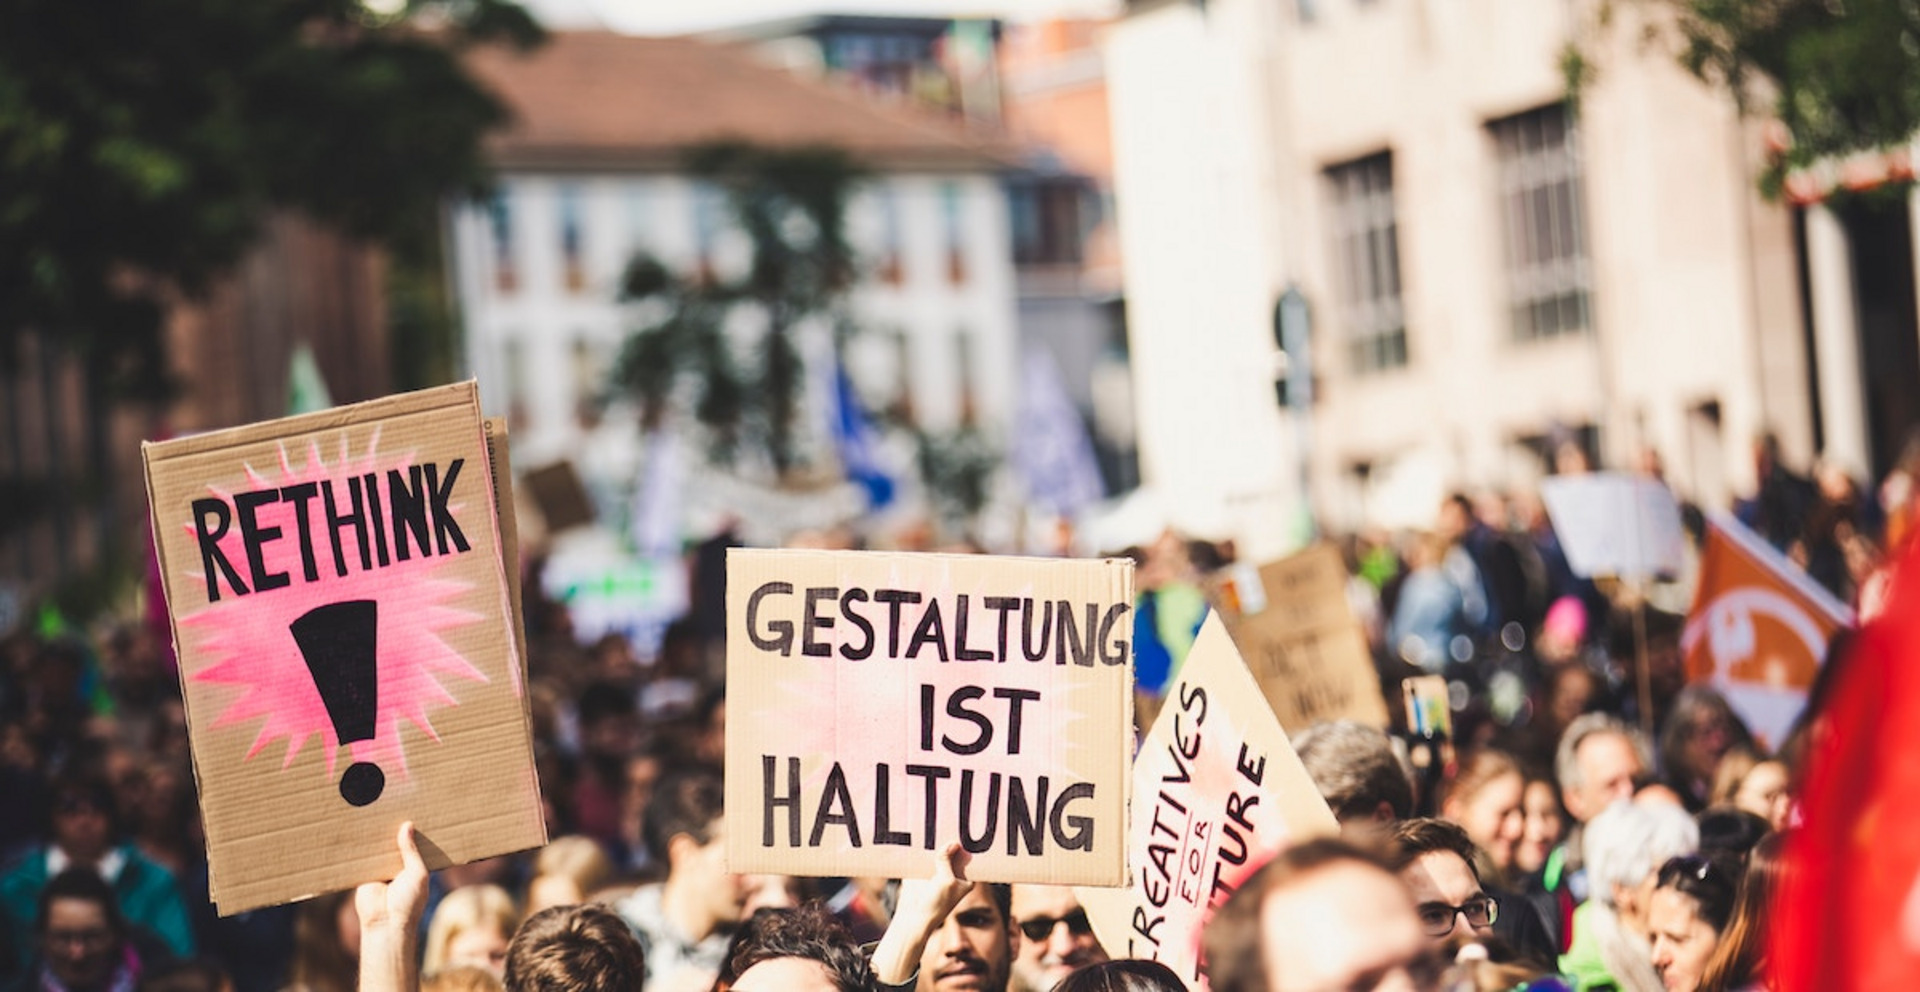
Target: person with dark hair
685, 922
1435, 860
1728, 834
1355, 769
1739, 961
1057, 937
1122, 976
84, 831
1322, 914
1701, 728
1440, 865
82, 943
1691, 906
795, 950
583, 948
609, 733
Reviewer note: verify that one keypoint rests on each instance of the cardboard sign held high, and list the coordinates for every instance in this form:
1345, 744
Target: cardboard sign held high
339, 574
1291, 621
1218, 791
882, 706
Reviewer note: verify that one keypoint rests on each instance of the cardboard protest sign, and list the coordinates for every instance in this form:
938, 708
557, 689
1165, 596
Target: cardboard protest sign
339, 574
1614, 524
882, 706
1292, 623
1217, 792
1758, 629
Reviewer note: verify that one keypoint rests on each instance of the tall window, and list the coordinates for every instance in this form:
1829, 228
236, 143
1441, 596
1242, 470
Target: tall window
709, 209
573, 254
1366, 248
1047, 220
1548, 274
892, 269
500, 225
951, 221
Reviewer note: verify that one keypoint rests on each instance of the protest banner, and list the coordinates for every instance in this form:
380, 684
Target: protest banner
1217, 792
1614, 524
1292, 623
1758, 629
881, 706
339, 574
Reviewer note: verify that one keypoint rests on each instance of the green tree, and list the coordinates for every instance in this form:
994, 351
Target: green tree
141, 145
791, 205
1843, 76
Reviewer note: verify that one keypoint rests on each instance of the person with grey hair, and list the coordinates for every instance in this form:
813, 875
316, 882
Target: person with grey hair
1599, 761
1625, 846
1358, 773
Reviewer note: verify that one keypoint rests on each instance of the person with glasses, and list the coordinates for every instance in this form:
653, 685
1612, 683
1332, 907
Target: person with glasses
1058, 938
1692, 903
1438, 863
83, 832
82, 944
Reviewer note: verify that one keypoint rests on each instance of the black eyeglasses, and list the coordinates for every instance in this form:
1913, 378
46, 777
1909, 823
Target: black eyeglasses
1438, 917
1041, 927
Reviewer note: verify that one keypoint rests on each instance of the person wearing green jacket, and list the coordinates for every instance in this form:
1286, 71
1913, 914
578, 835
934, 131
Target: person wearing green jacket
83, 831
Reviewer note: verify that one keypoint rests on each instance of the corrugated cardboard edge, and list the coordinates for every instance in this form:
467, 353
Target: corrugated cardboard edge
500, 465
453, 396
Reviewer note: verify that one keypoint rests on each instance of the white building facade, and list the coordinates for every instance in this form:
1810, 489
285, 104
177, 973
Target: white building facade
537, 271
1490, 269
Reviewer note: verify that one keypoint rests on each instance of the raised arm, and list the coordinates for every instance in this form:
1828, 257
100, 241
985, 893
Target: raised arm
924, 905
390, 923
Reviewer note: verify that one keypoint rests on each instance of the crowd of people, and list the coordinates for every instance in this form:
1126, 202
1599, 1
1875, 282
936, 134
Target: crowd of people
1547, 843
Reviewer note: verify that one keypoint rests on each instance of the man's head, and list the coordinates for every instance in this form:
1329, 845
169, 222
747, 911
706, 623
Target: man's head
797, 950
1598, 759
1055, 935
1625, 845
80, 930
583, 948
1435, 859
1321, 915
1355, 769
973, 950
685, 828
82, 823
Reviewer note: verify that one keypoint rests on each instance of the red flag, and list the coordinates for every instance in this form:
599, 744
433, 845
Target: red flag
1848, 915
1758, 629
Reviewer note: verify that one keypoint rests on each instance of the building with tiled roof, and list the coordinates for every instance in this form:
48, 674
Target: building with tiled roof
590, 172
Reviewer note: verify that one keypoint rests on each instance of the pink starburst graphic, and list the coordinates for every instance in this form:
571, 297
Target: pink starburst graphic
249, 637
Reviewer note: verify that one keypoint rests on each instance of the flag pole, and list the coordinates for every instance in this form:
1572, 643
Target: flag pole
1645, 663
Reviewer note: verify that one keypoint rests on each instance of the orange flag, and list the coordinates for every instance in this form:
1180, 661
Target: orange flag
1758, 629
1847, 915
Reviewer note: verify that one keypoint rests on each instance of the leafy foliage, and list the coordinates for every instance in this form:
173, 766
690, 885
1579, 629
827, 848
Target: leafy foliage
1843, 76
142, 144
746, 387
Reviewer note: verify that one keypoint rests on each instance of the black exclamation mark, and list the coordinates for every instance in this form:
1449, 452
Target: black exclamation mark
338, 642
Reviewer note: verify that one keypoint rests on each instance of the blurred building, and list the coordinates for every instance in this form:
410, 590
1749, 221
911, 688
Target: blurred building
1066, 249
949, 65
70, 454
1488, 272
592, 171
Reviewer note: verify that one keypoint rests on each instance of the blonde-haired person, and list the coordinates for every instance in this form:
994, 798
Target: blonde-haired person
1486, 798
471, 926
567, 872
